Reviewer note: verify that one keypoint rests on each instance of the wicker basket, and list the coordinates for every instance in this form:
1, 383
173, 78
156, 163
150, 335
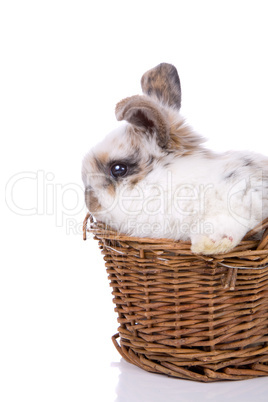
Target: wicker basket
202, 318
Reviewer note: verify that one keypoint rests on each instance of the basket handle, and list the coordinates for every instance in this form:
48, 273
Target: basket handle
88, 217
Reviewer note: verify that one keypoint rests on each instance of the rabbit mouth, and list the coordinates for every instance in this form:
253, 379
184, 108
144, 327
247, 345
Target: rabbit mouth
91, 200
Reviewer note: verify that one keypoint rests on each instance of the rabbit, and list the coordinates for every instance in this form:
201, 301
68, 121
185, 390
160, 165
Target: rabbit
153, 177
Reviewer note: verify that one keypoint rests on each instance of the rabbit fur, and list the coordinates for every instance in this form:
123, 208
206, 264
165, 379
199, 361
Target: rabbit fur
153, 177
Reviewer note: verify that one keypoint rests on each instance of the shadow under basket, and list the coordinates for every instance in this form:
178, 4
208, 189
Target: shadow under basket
195, 317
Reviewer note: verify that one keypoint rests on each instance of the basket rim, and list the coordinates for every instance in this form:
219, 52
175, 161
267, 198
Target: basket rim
248, 254
97, 226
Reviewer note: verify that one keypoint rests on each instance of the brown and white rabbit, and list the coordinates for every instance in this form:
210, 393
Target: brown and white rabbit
151, 176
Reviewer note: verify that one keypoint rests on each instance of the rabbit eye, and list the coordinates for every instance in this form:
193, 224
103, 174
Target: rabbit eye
118, 170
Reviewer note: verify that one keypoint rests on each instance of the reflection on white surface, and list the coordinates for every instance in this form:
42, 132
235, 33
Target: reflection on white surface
135, 384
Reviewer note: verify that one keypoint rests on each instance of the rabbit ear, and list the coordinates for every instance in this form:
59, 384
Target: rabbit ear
144, 113
163, 83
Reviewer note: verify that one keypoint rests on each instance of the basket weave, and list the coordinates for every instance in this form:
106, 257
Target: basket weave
202, 318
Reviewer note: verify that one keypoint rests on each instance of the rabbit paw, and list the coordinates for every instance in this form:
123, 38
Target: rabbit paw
207, 245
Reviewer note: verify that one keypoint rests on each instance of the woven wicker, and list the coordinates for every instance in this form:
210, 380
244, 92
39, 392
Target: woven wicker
202, 318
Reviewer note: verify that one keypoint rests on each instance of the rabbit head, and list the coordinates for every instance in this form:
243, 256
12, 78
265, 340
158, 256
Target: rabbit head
154, 132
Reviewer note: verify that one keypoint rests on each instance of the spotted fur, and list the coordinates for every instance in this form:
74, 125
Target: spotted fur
173, 186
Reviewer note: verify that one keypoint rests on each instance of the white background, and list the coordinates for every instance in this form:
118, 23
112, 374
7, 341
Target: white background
64, 65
